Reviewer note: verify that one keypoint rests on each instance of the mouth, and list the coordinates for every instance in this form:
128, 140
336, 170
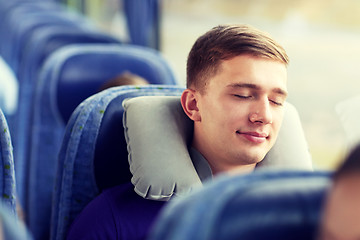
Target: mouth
254, 137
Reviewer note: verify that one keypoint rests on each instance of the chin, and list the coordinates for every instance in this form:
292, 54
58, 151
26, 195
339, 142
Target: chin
250, 156
256, 158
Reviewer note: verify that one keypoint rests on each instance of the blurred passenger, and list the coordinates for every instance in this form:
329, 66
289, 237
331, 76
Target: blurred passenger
341, 215
236, 88
126, 78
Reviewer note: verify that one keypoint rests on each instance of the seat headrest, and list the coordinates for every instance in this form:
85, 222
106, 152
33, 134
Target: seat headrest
75, 73
158, 134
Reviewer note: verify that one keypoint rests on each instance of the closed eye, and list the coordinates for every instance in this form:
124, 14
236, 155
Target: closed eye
242, 96
276, 103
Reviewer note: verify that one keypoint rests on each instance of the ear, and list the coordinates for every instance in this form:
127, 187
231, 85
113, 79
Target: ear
189, 103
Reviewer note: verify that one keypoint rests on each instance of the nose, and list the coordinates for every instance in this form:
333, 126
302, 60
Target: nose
261, 112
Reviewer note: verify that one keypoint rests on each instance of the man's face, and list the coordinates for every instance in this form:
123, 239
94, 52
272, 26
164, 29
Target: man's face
241, 111
342, 210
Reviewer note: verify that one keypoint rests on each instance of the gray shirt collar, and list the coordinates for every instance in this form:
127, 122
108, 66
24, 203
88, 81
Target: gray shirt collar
201, 165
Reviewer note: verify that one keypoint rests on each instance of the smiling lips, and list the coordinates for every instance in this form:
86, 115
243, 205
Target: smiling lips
254, 137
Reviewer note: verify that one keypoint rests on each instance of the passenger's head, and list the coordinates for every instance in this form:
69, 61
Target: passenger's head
342, 209
125, 78
223, 43
236, 89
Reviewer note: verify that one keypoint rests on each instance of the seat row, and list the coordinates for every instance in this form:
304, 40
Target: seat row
264, 205
71, 141
59, 59
10, 226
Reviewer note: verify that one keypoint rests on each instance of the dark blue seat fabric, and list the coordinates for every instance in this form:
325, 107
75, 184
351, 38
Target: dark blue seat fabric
143, 22
18, 12
93, 155
259, 206
22, 22
28, 26
80, 69
40, 46
70, 75
7, 174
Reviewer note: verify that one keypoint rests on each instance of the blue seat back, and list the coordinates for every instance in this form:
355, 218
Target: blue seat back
16, 13
143, 22
40, 46
70, 75
93, 155
85, 60
23, 31
7, 174
262, 205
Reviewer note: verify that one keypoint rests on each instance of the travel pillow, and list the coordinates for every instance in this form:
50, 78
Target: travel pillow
158, 133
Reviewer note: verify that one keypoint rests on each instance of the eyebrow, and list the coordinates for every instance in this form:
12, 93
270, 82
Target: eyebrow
257, 87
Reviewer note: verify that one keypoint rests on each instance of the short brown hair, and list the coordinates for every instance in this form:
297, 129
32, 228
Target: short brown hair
223, 43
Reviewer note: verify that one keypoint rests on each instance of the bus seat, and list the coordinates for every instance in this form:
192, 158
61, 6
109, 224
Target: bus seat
150, 121
43, 44
143, 22
40, 46
93, 155
28, 26
24, 92
7, 174
68, 77
267, 205
18, 13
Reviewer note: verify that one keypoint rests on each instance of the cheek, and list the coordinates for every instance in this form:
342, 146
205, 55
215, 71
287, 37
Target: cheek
236, 115
213, 110
222, 120
278, 117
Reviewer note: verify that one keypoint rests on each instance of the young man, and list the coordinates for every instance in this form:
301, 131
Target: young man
342, 209
236, 79
236, 88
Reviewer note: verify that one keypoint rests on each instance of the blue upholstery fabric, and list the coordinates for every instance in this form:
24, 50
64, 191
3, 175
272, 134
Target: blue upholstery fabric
16, 13
40, 46
143, 22
87, 164
70, 75
29, 26
263, 205
7, 174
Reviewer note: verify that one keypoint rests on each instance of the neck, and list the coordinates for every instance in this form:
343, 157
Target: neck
219, 166
234, 170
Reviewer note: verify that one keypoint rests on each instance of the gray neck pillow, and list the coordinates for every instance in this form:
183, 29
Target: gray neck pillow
158, 134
